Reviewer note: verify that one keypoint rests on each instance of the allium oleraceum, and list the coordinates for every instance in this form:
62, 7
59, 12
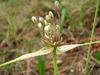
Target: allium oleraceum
51, 37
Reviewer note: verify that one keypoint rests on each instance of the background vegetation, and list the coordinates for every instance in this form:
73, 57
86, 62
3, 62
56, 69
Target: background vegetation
18, 35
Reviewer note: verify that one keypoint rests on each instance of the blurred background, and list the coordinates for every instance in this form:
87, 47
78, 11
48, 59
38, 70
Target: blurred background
18, 36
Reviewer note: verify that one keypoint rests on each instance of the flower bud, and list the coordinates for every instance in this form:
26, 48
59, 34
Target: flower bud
47, 29
51, 15
41, 20
57, 6
40, 25
48, 18
46, 36
34, 19
45, 22
58, 28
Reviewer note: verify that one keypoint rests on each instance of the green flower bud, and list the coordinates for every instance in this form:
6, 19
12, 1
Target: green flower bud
48, 18
47, 29
45, 22
34, 19
57, 6
51, 15
41, 20
40, 25
58, 28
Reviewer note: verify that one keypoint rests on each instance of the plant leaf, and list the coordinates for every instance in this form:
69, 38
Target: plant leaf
41, 65
97, 55
42, 51
64, 48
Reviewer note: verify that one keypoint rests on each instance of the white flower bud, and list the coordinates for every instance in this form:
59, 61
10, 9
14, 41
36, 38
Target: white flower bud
46, 36
51, 15
40, 25
57, 28
57, 6
41, 20
34, 19
48, 18
47, 29
45, 22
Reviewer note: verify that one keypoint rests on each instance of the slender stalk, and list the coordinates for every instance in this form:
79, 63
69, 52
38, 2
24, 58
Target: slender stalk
66, 14
54, 61
92, 37
15, 11
61, 3
15, 18
62, 18
16, 2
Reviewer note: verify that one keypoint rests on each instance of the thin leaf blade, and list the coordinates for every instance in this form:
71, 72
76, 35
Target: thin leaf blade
64, 48
62, 18
42, 51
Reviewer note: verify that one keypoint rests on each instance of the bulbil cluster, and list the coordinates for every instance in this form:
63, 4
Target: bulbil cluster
50, 32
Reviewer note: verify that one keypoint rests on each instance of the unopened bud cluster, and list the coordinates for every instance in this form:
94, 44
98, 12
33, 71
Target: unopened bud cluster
51, 35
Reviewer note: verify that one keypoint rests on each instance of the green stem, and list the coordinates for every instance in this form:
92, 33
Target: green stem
54, 61
14, 26
15, 11
91, 37
62, 18
66, 14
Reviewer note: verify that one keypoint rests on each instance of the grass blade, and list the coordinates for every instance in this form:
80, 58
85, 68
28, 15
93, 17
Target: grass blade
92, 37
66, 14
62, 18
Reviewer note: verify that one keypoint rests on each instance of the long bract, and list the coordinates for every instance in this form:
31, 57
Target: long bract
64, 48
46, 50
43, 51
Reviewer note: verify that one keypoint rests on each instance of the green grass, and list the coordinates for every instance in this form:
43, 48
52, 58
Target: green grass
76, 10
92, 34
